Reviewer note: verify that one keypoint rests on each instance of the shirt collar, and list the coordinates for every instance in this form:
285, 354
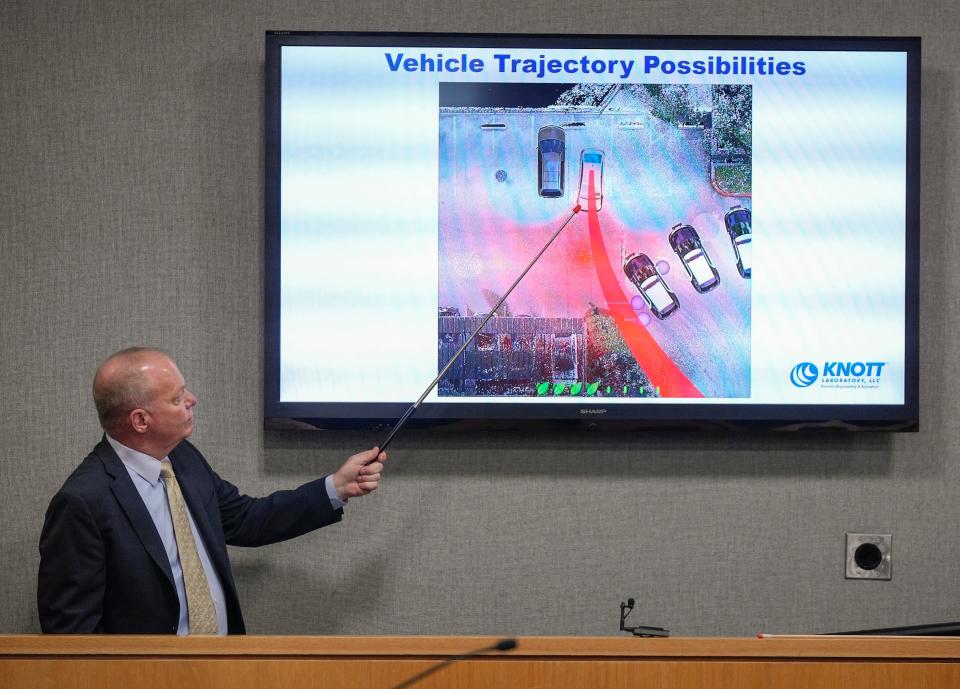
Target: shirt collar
144, 465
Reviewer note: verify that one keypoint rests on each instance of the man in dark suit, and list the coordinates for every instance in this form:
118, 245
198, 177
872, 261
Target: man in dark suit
135, 540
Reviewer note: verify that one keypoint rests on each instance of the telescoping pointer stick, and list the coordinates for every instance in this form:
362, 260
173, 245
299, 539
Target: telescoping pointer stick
413, 407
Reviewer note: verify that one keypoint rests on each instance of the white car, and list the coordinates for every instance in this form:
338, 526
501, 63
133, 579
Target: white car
591, 160
643, 273
686, 243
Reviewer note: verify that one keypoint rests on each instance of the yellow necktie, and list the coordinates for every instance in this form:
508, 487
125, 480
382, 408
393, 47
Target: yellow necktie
201, 614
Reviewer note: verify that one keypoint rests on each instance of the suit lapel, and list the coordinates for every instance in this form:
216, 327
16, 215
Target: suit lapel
132, 504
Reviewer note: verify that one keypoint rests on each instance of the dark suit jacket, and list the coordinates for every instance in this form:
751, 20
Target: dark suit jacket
103, 568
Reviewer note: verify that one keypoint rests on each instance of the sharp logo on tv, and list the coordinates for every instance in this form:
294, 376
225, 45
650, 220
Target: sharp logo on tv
839, 374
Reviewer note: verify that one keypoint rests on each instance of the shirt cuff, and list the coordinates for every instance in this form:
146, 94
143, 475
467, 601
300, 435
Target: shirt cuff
335, 502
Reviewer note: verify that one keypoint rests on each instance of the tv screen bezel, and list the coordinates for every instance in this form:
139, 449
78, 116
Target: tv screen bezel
331, 415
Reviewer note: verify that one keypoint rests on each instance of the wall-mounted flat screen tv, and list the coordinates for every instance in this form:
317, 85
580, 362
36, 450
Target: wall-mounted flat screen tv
741, 246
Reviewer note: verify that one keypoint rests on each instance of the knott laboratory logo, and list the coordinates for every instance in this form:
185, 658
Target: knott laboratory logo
839, 374
804, 374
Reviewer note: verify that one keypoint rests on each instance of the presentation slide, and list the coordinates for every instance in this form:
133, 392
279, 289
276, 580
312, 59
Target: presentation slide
736, 225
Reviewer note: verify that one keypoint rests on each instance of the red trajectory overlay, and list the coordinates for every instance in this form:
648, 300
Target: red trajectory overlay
659, 367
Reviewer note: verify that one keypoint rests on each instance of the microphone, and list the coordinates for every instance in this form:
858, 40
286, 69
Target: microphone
641, 630
502, 645
625, 609
456, 355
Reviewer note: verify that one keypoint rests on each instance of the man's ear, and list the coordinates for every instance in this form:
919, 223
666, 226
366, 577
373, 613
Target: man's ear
138, 420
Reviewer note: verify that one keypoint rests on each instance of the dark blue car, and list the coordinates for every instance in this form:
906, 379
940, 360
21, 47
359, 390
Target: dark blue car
738, 221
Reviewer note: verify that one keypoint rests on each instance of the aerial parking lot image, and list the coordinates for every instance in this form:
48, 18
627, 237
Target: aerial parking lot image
646, 292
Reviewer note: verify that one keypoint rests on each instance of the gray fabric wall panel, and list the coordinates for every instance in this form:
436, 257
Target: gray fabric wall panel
131, 162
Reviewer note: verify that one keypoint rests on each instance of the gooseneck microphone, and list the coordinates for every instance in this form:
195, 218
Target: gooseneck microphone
413, 407
502, 645
640, 630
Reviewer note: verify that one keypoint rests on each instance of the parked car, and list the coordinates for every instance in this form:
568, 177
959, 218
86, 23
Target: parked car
686, 243
591, 160
643, 273
551, 154
739, 223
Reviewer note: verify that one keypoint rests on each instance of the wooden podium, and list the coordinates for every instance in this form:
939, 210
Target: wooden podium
379, 662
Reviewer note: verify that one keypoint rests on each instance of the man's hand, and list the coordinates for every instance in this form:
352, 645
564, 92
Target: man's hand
360, 474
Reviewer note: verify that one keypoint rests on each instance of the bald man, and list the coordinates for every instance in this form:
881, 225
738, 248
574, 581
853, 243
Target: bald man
135, 540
